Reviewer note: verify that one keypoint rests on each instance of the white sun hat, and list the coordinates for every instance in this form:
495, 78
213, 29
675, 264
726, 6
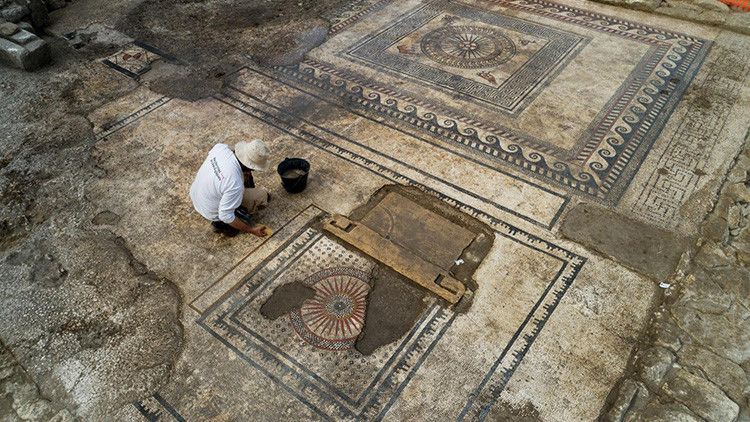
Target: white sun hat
253, 155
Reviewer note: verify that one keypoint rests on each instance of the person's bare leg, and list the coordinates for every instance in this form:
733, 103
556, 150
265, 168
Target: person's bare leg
255, 199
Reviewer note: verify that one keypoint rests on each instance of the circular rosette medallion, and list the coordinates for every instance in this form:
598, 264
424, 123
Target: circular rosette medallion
468, 47
334, 317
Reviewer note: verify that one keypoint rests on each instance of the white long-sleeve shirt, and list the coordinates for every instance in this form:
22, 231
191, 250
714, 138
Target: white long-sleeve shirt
218, 187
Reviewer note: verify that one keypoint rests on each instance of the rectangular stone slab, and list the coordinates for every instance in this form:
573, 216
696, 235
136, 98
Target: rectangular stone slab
416, 228
401, 260
650, 250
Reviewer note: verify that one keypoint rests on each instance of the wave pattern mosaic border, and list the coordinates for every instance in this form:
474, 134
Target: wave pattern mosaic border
509, 359
603, 166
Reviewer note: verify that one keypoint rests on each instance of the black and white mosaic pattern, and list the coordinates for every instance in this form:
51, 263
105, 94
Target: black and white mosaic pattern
602, 162
462, 37
334, 383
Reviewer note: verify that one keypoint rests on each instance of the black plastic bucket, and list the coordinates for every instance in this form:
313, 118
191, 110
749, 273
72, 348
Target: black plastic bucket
293, 172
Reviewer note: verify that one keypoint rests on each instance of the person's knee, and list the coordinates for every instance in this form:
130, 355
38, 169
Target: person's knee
255, 199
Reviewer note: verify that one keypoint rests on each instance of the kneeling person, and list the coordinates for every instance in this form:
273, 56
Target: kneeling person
224, 191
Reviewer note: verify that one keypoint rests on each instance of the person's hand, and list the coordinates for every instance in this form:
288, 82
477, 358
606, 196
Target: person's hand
259, 231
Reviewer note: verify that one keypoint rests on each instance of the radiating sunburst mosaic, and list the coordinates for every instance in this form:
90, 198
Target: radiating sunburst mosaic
334, 317
468, 47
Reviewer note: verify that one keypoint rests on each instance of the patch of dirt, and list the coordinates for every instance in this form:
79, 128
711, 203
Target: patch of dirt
508, 412
48, 272
91, 334
212, 38
105, 218
393, 307
647, 249
286, 298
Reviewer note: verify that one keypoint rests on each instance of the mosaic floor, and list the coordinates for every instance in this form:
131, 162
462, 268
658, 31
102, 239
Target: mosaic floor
496, 71
507, 110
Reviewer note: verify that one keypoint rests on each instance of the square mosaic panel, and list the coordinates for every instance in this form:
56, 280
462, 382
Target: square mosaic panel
136, 58
565, 95
313, 360
494, 59
133, 60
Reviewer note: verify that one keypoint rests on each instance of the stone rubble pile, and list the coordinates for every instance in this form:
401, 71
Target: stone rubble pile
695, 362
21, 48
19, 20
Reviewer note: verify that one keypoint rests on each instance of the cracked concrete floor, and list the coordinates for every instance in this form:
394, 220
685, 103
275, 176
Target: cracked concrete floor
593, 149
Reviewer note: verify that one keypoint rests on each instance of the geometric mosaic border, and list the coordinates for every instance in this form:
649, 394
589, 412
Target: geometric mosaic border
603, 163
508, 359
510, 96
244, 96
299, 381
156, 409
686, 157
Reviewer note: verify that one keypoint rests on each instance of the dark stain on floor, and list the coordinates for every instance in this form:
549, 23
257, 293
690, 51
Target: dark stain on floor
392, 309
286, 298
513, 412
270, 32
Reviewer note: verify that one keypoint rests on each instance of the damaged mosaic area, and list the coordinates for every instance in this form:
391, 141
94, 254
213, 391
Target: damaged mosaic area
310, 350
333, 318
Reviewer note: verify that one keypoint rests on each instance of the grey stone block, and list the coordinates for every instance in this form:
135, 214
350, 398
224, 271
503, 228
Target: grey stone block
7, 29
705, 295
55, 4
22, 37
26, 26
14, 12
672, 412
38, 13
24, 50
727, 335
700, 396
629, 398
665, 333
653, 364
12, 53
726, 374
